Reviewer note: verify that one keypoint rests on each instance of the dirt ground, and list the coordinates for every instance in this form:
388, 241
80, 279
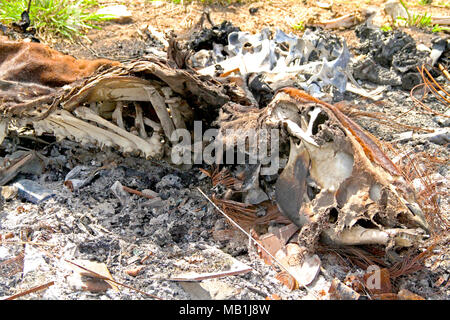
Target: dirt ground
181, 225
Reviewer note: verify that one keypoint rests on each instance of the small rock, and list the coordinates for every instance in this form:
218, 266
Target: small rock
157, 3
120, 13
169, 181
33, 191
255, 196
253, 10
443, 121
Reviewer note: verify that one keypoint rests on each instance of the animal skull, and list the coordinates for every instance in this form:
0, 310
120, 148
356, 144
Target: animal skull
337, 176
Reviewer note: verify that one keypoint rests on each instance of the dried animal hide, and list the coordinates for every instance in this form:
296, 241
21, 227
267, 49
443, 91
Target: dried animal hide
337, 179
134, 106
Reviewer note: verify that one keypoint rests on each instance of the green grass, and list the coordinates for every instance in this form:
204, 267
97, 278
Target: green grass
386, 28
300, 26
416, 19
67, 18
438, 28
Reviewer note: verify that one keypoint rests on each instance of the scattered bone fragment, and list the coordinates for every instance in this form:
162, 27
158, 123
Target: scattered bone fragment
440, 136
375, 94
346, 21
117, 13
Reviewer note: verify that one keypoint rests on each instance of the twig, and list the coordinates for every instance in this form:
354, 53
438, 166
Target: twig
251, 238
35, 289
139, 193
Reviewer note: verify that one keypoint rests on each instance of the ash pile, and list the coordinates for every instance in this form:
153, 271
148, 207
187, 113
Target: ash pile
158, 171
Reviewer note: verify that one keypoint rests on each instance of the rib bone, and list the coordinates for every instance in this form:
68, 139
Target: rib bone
147, 149
159, 105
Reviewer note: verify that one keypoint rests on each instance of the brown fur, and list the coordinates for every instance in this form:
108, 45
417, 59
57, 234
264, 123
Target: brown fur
37, 63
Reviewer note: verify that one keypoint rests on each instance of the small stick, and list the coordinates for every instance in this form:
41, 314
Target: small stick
35, 289
139, 193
